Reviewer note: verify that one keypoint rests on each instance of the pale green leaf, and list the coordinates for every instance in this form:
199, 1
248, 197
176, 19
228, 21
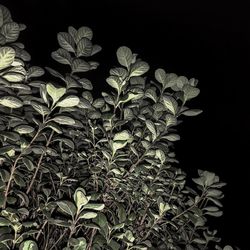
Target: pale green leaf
69, 101
124, 56
7, 56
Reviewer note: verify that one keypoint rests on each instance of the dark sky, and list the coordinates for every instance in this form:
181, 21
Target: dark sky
204, 39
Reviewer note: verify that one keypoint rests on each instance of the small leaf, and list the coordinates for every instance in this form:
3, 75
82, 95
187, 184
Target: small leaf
41, 109
151, 127
190, 92
11, 102
122, 136
94, 206
80, 65
62, 56
35, 72
172, 137
170, 103
80, 198
65, 120
227, 247
55, 93
84, 47
4, 222
24, 129
10, 31
66, 41
115, 82
68, 207
29, 164
84, 32
87, 215
191, 112
160, 76
139, 68
124, 56
28, 245
69, 101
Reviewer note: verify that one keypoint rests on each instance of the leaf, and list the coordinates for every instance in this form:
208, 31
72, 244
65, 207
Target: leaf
117, 145
190, 92
139, 68
122, 136
160, 76
192, 112
65, 120
11, 102
41, 109
68, 207
10, 135
19, 180
66, 41
69, 101
172, 137
215, 214
98, 103
13, 77
114, 82
84, 47
86, 84
4, 222
87, 215
151, 127
227, 247
102, 222
24, 129
7, 56
80, 198
28, 245
80, 65
55, 93
150, 93
29, 164
62, 56
95, 49
10, 31
124, 56
35, 72
170, 103
84, 32
6, 149
130, 96
94, 206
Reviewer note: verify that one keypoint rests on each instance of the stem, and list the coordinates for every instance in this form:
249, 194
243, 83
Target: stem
61, 236
40, 231
91, 239
39, 164
13, 168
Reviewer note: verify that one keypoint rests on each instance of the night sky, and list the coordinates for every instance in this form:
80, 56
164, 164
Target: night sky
208, 41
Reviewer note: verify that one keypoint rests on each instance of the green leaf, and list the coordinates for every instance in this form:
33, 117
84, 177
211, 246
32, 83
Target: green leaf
68, 207
151, 127
24, 129
102, 222
28, 245
117, 145
66, 41
84, 32
55, 93
87, 215
62, 56
41, 109
11, 102
122, 136
80, 198
190, 92
6, 149
139, 68
84, 47
19, 180
150, 93
10, 31
170, 103
94, 206
227, 247
124, 56
160, 76
86, 84
130, 96
13, 136
191, 112
29, 164
115, 82
64, 120
80, 65
13, 77
35, 72
4, 222
172, 137
98, 103
69, 101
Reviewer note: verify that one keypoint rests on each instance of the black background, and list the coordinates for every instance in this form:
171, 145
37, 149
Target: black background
205, 40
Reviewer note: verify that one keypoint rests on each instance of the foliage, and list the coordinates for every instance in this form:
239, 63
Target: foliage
83, 173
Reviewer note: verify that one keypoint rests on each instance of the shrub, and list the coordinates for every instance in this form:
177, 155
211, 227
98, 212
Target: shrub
83, 173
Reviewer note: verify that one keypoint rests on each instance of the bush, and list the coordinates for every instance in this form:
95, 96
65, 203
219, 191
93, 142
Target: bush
83, 173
